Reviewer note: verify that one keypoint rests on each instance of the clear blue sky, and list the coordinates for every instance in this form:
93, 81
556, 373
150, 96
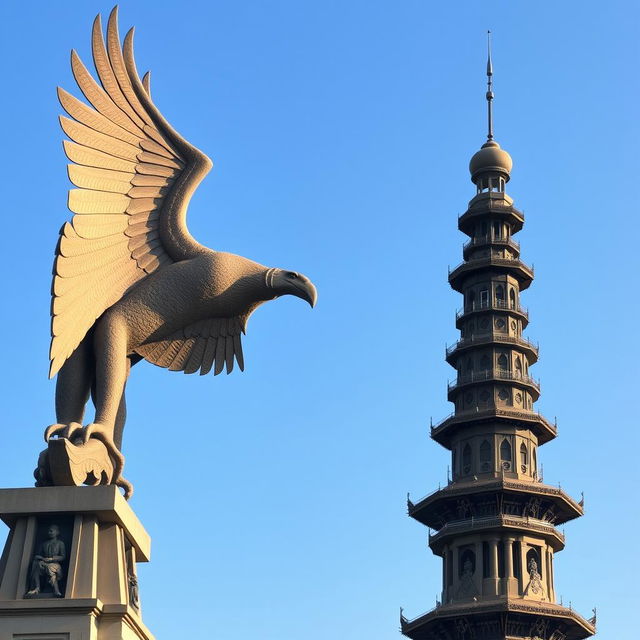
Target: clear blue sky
341, 133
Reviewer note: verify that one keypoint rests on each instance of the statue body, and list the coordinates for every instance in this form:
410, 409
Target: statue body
130, 282
47, 564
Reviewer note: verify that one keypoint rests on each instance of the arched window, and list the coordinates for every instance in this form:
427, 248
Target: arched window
472, 300
500, 295
535, 463
512, 298
453, 461
485, 456
524, 457
502, 361
505, 451
466, 459
485, 363
469, 365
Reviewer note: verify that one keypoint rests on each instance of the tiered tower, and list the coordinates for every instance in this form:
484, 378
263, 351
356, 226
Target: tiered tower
494, 524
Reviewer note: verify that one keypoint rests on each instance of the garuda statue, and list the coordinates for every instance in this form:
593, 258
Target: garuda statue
130, 282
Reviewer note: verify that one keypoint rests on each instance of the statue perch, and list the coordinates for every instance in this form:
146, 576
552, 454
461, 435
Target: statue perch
130, 282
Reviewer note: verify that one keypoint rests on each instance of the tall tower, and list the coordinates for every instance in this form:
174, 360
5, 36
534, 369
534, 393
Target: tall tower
494, 524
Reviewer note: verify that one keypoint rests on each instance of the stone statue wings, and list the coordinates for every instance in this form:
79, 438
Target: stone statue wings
130, 282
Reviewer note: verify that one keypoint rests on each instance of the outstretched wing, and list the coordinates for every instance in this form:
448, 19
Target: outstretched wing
199, 346
135, 176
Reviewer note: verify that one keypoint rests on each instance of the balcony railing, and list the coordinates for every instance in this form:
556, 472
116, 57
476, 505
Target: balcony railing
494, 411
490, 337
493, 374
492, 200
487, 522
490, 238
503, 483
495, 305
492, 261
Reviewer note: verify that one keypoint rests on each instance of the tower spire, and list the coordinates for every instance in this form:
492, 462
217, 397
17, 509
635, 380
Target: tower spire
489, 89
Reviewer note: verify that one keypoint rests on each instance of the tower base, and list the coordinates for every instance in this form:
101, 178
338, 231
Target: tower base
94, 567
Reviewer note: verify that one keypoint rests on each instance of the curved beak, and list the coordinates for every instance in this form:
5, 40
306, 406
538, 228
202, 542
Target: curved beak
306, 290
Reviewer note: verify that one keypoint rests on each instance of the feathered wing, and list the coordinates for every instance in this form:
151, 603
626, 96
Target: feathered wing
135, 176
199, 346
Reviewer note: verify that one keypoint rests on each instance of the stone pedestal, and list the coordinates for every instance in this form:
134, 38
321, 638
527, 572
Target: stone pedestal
104, 540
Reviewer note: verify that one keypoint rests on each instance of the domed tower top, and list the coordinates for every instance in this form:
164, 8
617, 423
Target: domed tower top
490, 166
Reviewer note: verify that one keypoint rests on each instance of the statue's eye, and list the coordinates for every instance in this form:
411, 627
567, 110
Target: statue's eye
293, 276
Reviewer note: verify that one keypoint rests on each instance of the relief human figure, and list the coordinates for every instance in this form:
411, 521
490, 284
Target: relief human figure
47, 563
467, 586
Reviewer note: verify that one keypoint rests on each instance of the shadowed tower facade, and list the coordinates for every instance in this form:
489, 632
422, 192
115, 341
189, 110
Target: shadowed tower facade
495, 524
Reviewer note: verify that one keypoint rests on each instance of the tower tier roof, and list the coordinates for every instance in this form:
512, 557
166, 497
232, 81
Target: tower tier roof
436, 509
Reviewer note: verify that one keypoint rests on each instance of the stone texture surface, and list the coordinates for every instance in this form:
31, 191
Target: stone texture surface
130, 282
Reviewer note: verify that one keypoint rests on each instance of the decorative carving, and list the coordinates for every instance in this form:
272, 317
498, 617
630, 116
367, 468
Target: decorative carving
535, 580
66, 463
463, 507
47, 563
130, 282
463, 629
467, 587
134, 596
550, 514
539, 629
532, 507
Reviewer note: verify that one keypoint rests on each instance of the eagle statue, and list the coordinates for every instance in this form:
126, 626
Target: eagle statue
129, 280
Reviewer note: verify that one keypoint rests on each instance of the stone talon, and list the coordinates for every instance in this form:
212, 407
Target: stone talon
100, 432
62, 431
53, 430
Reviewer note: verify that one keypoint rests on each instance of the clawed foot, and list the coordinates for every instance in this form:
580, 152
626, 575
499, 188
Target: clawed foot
68, 431
78, 434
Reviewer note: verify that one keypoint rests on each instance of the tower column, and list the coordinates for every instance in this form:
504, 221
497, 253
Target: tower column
456, 575
493, 567
510, 582
445, 571
524, 571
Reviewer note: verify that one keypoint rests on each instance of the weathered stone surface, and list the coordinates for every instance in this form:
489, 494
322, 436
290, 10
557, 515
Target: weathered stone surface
103, 540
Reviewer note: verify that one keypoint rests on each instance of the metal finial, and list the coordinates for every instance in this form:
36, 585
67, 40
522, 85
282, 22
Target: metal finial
489, 89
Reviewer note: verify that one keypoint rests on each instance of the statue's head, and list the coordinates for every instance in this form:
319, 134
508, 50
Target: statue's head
53, 531
284, 283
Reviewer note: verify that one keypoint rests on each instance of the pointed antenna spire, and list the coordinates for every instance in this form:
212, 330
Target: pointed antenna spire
489, 89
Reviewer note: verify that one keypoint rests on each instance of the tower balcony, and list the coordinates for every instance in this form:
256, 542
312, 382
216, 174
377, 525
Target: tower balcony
500, 618
493, 375
495, 305
513, 266
440, 506
492, 205
443, 431
489, 239
502, 522
528, 347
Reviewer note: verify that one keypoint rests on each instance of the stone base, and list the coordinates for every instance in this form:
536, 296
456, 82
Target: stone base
104, 540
